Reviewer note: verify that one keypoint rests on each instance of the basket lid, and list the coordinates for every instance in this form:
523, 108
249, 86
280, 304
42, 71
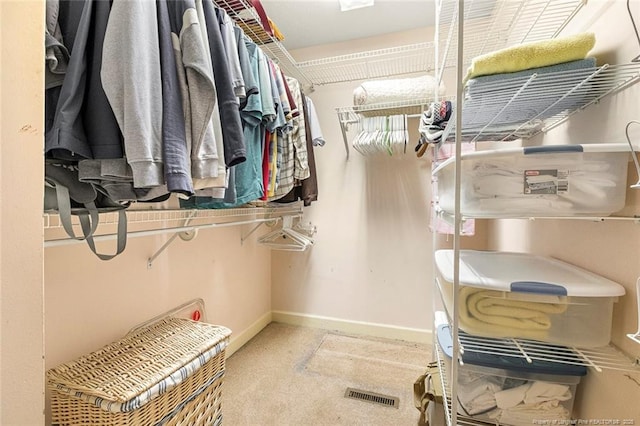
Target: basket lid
522, 272
130, 372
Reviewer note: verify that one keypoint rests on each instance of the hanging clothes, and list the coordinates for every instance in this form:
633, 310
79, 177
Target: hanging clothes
153, 98
80, 126
232, 139
314, 123
247, 182
299, 135
231, 50
189, 29
175, 152
132, 82
307, 189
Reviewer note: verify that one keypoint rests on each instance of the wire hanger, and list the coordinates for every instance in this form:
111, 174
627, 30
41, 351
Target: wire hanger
635, 28
633, 153
286, 238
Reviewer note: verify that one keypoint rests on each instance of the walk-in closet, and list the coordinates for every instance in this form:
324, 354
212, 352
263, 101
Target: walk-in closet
322, 212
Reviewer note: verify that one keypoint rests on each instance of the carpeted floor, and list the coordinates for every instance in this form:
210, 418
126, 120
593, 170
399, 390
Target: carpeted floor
289, 375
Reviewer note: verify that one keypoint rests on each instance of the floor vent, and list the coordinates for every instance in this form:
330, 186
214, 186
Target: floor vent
376, 398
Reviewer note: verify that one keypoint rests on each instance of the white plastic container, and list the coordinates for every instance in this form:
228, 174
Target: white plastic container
512, 396
562, 180
525, 296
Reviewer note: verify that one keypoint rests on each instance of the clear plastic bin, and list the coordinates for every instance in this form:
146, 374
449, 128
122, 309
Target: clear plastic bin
510, 397
564, 180
530, 297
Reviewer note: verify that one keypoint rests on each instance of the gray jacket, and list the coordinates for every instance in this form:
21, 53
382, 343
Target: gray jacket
232, 137
81, 123
132, 81
177, 171
198, 85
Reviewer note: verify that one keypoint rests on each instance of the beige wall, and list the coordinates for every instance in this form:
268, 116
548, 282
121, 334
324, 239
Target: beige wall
91, 302
21, 298
611, 249
372, 260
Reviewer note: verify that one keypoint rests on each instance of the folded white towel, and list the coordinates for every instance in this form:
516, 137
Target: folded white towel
510, 398
524, 415
540, 392
478, 396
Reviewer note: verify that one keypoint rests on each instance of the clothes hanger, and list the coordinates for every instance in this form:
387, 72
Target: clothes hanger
286, 238
635, 29
633, 153
399, 132
372, 135
357, 141
306, 229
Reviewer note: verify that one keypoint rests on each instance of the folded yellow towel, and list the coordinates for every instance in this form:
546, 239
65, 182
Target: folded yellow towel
532, 55
488, 312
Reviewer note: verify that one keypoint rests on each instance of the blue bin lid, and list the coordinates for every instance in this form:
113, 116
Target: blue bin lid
513, 363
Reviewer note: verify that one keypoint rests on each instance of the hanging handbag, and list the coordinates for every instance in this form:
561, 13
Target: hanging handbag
66, 195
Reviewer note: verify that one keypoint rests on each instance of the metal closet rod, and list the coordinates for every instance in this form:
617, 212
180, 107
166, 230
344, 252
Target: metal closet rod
133, 234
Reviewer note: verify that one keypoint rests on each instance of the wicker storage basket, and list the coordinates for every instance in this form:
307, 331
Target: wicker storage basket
167, 373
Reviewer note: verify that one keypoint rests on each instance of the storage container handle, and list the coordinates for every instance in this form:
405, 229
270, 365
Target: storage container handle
538, 288
551, 149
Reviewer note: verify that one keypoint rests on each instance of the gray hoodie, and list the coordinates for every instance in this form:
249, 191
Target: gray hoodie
132, 82
187, 37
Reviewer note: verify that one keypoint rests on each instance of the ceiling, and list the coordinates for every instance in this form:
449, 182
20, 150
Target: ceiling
307, 23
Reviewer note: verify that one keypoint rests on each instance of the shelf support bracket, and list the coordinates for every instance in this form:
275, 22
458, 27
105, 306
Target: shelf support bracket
243, 238
189, 235
343, 128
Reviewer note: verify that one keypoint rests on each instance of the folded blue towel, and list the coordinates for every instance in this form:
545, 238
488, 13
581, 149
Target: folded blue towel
565, 66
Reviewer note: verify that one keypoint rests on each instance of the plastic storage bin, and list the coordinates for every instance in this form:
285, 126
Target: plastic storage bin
512, 396
525, 296
565, 180
169, 372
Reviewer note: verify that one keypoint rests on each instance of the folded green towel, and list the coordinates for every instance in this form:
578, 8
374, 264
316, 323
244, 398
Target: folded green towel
532, 55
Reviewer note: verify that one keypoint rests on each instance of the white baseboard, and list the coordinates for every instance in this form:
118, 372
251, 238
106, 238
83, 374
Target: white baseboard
354, 327
238, 340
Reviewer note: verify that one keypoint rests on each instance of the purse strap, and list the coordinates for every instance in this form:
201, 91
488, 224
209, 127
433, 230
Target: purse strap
427, 390
64, 211
88, 227
88, 222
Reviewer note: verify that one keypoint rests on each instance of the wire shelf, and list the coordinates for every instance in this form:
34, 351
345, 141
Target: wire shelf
412, 58
598, 359
521, 107
446, 394
408, 107
168, 219
448, 217
248, 19
491, 25
354, 115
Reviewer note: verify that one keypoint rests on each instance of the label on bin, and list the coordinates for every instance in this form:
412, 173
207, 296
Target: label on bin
546, 181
